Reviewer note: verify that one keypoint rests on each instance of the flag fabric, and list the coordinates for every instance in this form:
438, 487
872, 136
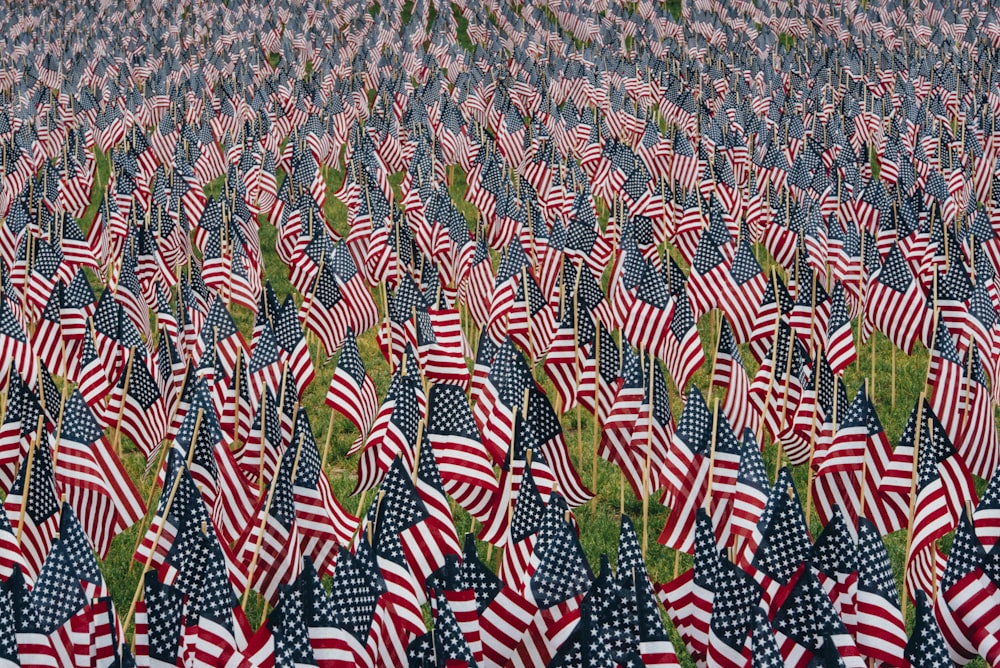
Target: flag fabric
141, 407
462, 459
854, 465
881, 629
807, 627
32, 506
965, 593
896, 303
926, 646
270, 546
92, 478
615, 188
689, 599
352, 391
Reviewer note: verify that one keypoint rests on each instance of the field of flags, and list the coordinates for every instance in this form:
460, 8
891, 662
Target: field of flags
474, 333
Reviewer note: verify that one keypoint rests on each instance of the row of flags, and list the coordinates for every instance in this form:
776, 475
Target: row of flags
504, 193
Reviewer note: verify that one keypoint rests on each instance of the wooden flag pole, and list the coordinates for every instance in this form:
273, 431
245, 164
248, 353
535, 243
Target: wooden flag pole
312, 295
967, 407
388, 322
784, 404
263, 525
862, 289
326, 443
576, 363
914, 475
159, 465
930, 357
527, 314
159, 530
774, 360
597, 413
295, 469
59, 427
236, 387
27, 478
812, 433
281, 414
416, 450
263, 436
812, 313
646, 491
871, 375
711, 455
715, 358
121, 409
357, 513
864, 474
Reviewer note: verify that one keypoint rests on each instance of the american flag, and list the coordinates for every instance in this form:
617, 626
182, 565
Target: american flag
560, 579
840, 349
394, 431
182, 522
354, 594
352, 391
504, 613
748, 283
730, 375
732, 612
158, 622
978, 445
709, 278
965, 585
140, 405
657, 323
881, 629
401, 511
522, 524
423, 556
464, 463
926, 646
859, 447
835, 557
322, 522
447, 588
751, 494
92, 478
807, 626
443, 645
764, 647
781, 542
265, 369
34, 491
270, 546
215, 626
961, 593
896, 303
688, 599
986, 515
942, 486
57, 598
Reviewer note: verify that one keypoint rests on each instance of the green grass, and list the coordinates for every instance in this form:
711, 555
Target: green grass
599, 521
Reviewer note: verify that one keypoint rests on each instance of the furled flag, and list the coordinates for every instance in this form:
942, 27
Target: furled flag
352, 391
881, 629
926, 647
807, 626
465, 465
